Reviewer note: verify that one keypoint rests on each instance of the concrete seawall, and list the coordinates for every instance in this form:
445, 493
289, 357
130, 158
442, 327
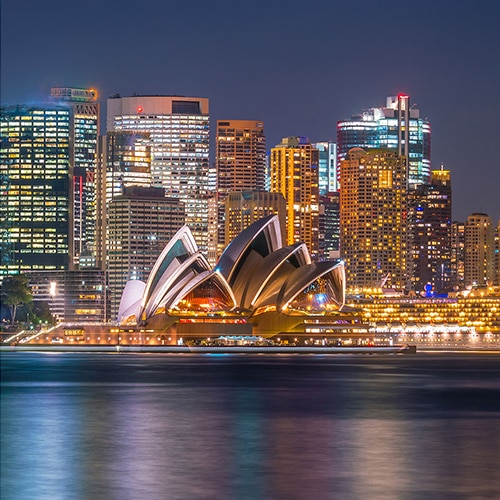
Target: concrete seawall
211, 349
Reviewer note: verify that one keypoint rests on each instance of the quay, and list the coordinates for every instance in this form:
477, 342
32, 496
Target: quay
236, 349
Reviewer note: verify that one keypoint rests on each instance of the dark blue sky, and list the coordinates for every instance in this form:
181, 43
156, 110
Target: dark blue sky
299, 66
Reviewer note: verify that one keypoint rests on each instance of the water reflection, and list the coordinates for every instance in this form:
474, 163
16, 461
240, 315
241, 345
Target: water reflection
120, 427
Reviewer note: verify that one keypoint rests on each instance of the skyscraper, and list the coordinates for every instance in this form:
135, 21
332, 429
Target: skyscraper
294, 174
179, 131
329, 226
397, 126
43, 135
84, 132
36, 203
240, 163
457, 254
430, 222
327, 167
479, 252
496, 257
373, 218
124, 161
141, 222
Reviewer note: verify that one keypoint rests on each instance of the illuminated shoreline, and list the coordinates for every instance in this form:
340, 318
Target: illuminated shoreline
208, 349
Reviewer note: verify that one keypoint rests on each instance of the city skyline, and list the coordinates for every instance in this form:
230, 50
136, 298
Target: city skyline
331, 63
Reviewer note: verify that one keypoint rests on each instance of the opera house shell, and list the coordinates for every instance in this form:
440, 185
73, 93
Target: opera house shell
257, 287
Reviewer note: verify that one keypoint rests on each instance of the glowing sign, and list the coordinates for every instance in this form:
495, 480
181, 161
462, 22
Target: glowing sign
74, 94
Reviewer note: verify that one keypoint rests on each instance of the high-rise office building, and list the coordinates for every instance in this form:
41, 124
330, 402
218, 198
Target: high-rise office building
479, 252
179, 131
327, 167
430, 228
127, 161
329, 226
240, 163
36, 203
496, 258
243, 208
124, 161
84, 132
397, 126
457, 262
294, 174
141, 222
373, 219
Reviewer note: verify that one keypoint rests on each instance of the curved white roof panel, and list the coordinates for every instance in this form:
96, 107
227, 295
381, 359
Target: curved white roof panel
193, 265
130, 302
180, 248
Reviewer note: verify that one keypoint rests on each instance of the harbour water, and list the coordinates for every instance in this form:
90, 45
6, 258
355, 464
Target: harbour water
245, 426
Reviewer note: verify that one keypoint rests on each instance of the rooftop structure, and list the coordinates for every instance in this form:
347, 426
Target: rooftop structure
397, 126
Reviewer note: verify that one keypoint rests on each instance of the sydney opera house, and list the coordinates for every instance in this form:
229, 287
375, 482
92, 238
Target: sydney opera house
258, 287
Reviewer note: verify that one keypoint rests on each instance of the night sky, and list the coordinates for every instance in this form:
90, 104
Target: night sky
298, 66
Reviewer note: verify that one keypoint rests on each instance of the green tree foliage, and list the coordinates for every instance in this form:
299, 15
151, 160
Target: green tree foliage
41, 312
16, 292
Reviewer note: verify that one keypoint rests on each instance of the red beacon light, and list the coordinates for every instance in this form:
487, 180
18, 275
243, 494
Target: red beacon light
139, 109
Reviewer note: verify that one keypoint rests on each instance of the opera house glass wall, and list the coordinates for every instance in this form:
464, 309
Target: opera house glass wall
258, 287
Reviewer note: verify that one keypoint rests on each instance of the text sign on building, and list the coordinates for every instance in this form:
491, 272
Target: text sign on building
71, 94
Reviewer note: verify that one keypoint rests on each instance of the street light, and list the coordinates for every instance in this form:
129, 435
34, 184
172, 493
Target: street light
52, 293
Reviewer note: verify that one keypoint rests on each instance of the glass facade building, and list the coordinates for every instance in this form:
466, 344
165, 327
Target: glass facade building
397, 126
179, 133
36, 202
128, 162
84, 133
124, 161
329, 226
327, 167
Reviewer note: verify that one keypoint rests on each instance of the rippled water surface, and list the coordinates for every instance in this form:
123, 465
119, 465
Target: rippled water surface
144, 426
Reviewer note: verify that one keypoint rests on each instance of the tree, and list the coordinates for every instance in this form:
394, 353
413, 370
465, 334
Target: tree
16, 292
41, 311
